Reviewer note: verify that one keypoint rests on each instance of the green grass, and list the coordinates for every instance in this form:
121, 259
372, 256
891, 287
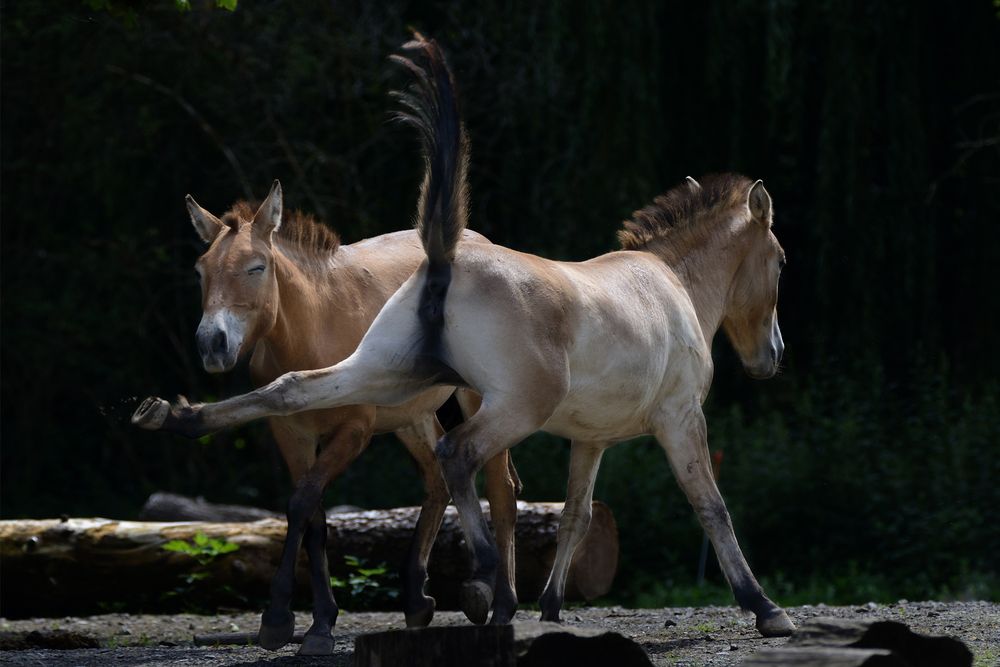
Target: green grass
851, 586
987, 657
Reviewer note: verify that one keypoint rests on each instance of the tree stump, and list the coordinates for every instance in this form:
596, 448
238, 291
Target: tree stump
837, 642
523, 644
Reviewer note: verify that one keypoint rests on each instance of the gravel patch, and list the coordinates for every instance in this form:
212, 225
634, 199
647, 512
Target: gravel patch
680, 637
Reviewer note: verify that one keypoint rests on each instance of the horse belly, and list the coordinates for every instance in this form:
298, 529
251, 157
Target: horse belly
596, 418
392, 418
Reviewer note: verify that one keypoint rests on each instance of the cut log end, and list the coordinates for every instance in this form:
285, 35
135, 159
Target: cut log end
521, 644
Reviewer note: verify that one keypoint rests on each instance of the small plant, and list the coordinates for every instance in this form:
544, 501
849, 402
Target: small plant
203, 549
707, 628
365, 585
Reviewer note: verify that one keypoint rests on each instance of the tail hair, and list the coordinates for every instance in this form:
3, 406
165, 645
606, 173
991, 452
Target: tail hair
432, 108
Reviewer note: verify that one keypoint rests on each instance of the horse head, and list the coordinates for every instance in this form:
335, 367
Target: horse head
239, 287
751, 310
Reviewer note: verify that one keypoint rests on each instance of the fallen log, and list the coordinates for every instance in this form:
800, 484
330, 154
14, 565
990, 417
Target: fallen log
522, 644
83, 566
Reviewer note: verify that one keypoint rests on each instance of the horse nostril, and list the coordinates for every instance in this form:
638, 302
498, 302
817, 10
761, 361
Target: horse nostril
219, 342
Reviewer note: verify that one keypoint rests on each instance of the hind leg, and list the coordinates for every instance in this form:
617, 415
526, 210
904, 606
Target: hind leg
585, 458
365, 378
502, 488
420, 439
681, 431
498, 425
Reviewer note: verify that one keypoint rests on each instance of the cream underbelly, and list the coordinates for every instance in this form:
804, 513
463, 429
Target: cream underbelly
597, 418
392, 418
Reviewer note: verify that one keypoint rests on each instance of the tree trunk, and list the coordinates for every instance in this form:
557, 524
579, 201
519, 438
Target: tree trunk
92, 565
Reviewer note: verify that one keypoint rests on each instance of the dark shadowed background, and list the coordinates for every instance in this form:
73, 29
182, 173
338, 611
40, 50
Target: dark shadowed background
867, 470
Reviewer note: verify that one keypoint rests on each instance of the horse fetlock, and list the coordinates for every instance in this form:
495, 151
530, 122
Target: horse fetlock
276, 628
475, 600
550, 603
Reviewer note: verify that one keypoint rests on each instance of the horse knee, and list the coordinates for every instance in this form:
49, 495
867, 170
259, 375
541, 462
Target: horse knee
303, 503
576, 516
455, 464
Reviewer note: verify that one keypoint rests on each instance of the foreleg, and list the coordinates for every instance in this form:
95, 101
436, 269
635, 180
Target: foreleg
585, 459
307, 522
681, 431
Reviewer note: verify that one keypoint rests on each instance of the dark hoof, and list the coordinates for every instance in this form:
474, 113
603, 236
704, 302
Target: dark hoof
550, 606
151, 413
550, 616
775, 624
422, 617
276, 629
316, 645
476, 600
502, 617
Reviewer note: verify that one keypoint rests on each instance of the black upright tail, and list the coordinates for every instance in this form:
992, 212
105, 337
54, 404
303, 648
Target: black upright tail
442, 211
432, 108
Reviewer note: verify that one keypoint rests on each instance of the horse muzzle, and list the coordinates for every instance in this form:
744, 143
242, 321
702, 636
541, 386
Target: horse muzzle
219, 340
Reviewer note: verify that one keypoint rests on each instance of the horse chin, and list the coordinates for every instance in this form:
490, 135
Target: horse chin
216, 365
761, 371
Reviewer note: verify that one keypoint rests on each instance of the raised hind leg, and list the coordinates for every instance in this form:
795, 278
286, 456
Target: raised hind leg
502, 489
585, 458
681, 431
367, 377
307, 523
420, 439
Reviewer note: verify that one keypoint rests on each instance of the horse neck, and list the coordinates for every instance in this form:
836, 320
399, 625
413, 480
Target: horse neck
706, 264
308, 296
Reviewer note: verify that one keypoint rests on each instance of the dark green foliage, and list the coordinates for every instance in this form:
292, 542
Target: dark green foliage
874, 125
365, 586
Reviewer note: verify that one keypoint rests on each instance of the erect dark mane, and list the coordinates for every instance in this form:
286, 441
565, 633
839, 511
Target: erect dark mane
302, 230
683, 207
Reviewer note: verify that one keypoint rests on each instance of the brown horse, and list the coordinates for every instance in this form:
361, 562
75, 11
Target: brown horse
284, 288
597, 351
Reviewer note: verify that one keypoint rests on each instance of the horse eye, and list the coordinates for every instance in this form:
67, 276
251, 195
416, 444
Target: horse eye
781, 263
256, 269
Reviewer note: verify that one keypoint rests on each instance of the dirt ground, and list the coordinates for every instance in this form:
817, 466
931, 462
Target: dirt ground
680, 637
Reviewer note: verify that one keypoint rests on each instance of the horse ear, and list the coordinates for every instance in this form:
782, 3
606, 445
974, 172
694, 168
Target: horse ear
694, 185
267, 219
206, 224
759, 203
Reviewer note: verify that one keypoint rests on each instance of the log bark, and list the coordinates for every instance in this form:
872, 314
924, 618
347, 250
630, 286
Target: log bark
90, 565
163, 506
523, 644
